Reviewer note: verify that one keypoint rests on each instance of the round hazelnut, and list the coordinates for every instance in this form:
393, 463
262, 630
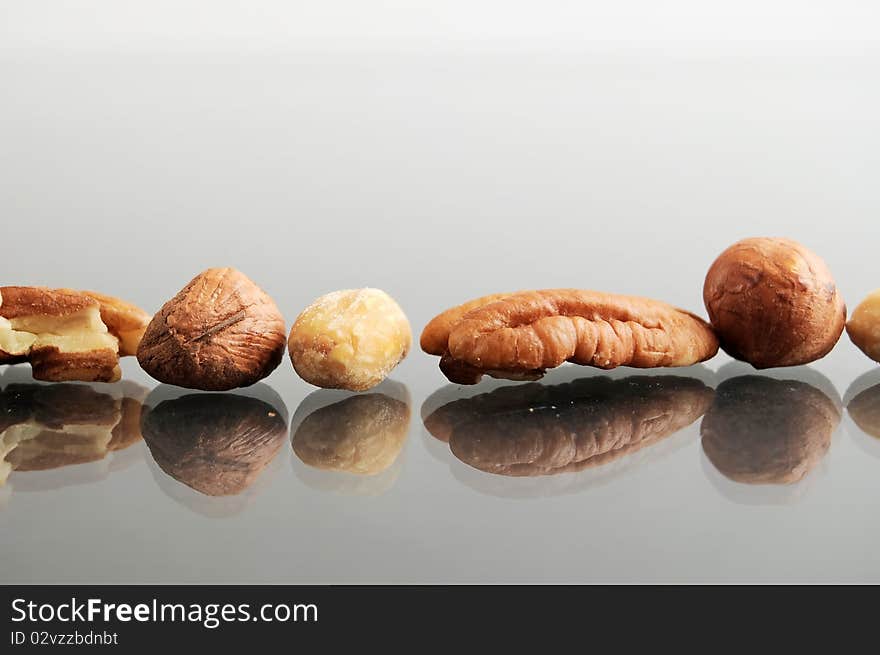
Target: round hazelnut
220, 332
773, 302
349, 339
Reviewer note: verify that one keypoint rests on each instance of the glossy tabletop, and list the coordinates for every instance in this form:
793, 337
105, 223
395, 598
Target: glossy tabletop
440, 176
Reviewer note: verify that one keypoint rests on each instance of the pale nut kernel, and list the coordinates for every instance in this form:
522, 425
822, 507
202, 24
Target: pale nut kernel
863, 327
349, 339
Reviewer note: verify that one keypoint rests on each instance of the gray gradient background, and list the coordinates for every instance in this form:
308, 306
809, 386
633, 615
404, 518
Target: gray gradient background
440, 174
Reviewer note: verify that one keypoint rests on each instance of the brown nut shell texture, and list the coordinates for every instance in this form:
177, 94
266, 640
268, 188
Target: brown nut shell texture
68, 335
220, 332
523, 334
773, 302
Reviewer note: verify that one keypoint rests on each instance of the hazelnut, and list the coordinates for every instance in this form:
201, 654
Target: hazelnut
760, 430
220, 332
349, 339
215, 444
864, 326
773, 302
360, 434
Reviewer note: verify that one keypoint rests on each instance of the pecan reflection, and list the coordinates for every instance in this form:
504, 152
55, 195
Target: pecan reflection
537, 429
361, 434
761, 430
217, 444
49, 426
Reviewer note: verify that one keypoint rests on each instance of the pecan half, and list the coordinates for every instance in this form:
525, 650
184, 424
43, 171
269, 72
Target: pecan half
522, 334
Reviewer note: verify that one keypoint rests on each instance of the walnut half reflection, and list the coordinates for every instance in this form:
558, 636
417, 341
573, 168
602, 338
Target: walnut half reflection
358, 433
217, 444
50, 426
761, 430
538, 429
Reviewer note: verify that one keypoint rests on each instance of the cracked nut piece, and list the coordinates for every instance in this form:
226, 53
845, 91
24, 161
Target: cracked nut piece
760, 430
349, 339
773, 302
67, 335
863, 327
523, 334
220, 332
535, 429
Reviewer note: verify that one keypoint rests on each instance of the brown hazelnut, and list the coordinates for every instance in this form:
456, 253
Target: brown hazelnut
220, 332
761, 430
217, 444
773, 302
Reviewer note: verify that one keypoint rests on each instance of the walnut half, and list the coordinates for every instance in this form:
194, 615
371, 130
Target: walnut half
67, 335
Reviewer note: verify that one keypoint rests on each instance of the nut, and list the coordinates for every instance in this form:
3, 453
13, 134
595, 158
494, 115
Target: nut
349, 339
361, 434
220, 332
536, 430
864, 326
215, 444
435, 336
67, 335
864, 409
49, 426
773, 302
761, 430
523, 334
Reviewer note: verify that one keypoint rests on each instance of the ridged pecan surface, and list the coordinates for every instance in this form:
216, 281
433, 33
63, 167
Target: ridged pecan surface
522, 334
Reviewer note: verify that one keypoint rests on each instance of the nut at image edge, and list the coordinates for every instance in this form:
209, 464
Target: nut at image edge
220, 332
863, 327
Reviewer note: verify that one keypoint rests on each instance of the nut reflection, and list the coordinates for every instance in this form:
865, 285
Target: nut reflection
864, 409
50, 426
361, 434
761, 430
217, 444
537, 429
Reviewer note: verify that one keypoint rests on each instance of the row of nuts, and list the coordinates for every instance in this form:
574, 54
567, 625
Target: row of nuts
222, 331
771, 302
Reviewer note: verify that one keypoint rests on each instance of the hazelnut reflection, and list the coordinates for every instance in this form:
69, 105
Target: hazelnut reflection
761, 430
52, 426
538, 429
216, 444
864, 409
361, 434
